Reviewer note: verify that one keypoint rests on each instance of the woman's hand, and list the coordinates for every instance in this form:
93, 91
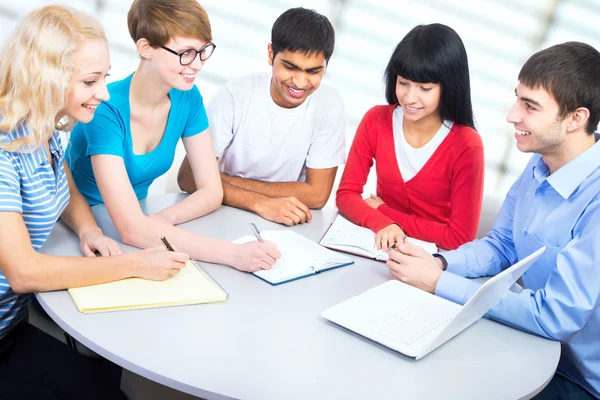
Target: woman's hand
389, 235
93, 240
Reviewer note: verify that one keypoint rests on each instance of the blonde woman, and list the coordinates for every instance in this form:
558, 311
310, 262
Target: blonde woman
132, 140
52, 73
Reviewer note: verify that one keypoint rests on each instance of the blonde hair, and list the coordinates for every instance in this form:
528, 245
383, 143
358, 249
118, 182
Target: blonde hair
159, 21
36, 65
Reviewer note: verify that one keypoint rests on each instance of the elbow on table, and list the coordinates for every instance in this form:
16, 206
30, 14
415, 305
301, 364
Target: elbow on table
318, 203
21, 282
130, 234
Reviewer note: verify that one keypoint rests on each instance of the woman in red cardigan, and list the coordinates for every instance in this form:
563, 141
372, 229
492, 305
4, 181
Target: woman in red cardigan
429, 158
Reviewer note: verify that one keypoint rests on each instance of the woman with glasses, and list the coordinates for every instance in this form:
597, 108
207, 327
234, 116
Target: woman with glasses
428, 156
132, 139
67, 60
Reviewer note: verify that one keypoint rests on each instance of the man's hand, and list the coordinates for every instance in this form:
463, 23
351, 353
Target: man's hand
374, 201
284, 210
386, 237
414, 266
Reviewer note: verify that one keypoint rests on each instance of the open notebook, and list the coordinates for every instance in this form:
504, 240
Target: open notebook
345, 236
300, 257
193, 285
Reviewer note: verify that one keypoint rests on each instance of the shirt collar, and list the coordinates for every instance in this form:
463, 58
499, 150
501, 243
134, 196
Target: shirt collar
568, 178
31, 161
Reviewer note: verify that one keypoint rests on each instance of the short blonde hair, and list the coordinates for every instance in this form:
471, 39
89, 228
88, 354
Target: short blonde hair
36, 65
159, 21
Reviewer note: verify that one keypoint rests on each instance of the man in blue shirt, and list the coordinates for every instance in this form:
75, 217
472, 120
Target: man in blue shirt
554, 203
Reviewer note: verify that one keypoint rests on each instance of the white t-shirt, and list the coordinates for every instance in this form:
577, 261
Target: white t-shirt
411, 160
254, 138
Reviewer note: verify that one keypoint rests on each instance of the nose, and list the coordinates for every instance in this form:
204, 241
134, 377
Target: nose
197, 64
411, 97
299, 80
514, 116
102, 93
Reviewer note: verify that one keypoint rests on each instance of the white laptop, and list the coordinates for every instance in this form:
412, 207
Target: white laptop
414, 322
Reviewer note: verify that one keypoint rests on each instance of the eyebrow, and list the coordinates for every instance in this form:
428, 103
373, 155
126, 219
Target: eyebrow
313, 69
528, 100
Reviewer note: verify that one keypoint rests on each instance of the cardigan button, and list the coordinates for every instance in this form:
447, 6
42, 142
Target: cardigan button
406, 203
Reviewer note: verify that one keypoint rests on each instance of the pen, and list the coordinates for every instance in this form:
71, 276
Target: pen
403, 241
256, 232
166, 243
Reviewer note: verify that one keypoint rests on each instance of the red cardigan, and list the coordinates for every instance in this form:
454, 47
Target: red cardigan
441, 204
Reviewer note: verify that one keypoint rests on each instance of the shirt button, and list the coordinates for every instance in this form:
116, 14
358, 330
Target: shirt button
525, 233
406, 203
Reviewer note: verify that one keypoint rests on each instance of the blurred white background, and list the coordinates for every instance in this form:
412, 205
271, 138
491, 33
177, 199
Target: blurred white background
499, 37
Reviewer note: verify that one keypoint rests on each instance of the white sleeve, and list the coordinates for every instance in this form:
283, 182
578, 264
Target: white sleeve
328, 148
221, 113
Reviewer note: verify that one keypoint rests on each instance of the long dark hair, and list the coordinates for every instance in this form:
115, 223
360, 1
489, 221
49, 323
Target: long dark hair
434, 54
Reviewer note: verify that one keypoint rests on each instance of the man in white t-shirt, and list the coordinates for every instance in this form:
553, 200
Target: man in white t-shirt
278, 139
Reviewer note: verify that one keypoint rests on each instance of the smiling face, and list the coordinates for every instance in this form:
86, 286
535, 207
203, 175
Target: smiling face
88, 84
418, 100
169, 68
538, 128
295, 76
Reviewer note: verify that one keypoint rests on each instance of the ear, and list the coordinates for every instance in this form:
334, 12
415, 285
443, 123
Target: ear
270, 54
144, 48
578, 119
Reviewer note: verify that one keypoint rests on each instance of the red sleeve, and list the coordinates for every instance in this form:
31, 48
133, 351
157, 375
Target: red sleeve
465, 206
348, 198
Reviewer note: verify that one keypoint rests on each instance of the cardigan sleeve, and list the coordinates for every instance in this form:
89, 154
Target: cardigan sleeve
465, 205
349, 199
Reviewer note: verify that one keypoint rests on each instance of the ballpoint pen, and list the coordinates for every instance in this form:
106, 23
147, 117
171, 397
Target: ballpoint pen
166, 243
256, 232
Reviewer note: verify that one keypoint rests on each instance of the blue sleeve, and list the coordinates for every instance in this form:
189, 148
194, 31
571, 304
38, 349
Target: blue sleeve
10, 185
564, 305
489, 255
105, 133
197, 121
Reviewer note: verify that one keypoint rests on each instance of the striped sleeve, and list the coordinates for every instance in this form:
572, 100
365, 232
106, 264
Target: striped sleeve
10, 186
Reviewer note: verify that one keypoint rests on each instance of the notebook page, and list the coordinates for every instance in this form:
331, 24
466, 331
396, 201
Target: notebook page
299, 256
188, 287
347, 236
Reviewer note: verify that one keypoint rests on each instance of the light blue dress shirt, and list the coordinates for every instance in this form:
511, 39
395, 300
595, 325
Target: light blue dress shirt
562, 288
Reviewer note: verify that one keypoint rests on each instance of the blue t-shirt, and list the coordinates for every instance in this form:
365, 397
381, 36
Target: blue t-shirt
110, 133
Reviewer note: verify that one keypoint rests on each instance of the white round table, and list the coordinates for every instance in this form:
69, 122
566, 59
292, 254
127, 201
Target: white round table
270, 342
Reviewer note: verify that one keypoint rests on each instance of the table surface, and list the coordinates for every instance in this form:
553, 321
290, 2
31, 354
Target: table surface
270, 342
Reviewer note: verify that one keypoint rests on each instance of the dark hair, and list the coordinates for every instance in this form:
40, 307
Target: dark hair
570, 72
303, 30
434, 54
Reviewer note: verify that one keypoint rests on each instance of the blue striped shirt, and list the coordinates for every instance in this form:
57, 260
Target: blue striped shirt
29, 186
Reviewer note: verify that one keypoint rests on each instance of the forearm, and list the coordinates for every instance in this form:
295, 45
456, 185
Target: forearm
201, 202
308, 195
145, 232
240, 198
78, 215
352, 206
47, 273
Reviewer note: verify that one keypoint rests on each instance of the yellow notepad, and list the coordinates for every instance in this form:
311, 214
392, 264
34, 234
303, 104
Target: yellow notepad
193, 285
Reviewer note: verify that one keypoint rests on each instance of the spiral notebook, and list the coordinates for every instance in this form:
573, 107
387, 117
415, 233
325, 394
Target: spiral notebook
300, 257
193, 285
345, 236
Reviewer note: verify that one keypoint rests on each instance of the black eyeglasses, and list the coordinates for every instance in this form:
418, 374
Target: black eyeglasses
188, 56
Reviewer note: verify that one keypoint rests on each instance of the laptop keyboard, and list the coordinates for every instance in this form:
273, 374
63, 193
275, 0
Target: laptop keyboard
408, 324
